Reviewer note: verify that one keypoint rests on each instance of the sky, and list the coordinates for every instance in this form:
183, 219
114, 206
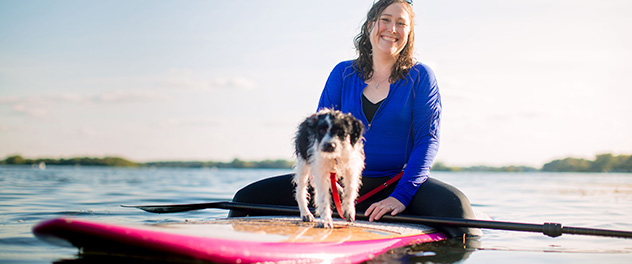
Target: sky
523, 82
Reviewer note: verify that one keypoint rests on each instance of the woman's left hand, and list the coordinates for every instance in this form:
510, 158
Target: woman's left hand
379, 209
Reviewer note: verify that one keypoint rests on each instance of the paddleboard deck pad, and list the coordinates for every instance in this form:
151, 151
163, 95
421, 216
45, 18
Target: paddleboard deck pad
239, 240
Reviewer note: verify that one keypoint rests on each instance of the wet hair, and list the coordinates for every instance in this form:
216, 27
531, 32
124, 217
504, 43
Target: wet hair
364, 63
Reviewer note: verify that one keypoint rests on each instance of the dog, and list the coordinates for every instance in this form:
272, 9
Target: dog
327, 141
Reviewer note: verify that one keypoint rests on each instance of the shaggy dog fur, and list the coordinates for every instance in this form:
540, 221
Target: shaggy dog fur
328, 141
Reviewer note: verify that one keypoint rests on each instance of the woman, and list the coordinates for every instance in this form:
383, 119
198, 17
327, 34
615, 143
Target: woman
398, 101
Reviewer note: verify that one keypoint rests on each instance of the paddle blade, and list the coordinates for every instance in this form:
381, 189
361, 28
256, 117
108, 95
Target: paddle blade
176, 208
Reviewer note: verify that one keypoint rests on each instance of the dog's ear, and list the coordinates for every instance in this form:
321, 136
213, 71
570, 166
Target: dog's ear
357, 129
304, 136
311, 120
308, 125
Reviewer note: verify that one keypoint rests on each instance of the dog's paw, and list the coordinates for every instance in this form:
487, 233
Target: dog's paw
349, 214
307, 217
327, 224
350, 217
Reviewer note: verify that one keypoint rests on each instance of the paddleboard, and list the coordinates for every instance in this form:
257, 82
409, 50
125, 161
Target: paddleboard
239, 240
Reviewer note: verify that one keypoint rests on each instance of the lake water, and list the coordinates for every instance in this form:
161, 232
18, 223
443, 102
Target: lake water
30, 195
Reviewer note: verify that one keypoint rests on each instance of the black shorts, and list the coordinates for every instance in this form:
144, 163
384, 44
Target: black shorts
434, 198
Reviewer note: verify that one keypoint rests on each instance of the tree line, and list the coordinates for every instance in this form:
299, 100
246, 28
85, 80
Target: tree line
235, 163
84, 161
601, 163
121, 162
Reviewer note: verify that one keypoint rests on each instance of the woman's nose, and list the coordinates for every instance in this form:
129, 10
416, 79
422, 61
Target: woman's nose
392, 27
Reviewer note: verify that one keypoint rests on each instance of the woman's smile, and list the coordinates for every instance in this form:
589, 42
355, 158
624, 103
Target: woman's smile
389, 38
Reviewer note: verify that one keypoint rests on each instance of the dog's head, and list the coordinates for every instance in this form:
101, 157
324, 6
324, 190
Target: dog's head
328, 131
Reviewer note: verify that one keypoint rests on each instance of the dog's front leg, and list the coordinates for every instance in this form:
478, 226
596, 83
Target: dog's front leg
301, 179
349, 196
351, 187
321, 191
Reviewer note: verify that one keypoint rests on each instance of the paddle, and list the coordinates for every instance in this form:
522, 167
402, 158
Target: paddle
549, 229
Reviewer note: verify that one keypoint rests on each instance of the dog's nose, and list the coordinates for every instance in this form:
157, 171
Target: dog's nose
329, 147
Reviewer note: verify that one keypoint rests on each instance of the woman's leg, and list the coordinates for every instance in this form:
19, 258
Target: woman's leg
278, 190
436, 198
369, 184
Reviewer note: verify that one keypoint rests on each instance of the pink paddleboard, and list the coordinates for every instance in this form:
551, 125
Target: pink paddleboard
239, 240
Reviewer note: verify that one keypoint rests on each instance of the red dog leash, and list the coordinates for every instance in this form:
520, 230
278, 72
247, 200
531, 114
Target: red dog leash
379, 188
334, 192
336, 196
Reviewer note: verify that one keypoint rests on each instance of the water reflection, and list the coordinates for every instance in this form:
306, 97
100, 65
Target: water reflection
453, 250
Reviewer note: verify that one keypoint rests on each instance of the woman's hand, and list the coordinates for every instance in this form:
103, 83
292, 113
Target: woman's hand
379, 209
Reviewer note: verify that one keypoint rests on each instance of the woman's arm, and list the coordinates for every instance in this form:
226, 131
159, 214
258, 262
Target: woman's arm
425, 126
426, 113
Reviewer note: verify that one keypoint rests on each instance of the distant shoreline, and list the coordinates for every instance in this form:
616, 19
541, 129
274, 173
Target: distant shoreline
601, 163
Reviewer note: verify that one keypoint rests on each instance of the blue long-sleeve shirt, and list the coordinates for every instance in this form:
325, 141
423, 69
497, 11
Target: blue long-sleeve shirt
404, 133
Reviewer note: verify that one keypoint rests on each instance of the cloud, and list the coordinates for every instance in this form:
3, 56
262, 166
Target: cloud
35, 106
188, 79
85, 132
40, 106
235, 82
132, 96
187, 123
30, 110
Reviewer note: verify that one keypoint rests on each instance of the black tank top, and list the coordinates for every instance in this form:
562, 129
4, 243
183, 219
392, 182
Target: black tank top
369, 108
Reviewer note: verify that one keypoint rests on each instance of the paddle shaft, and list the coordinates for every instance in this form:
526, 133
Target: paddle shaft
549, 229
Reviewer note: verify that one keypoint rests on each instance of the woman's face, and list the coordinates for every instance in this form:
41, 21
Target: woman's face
389, 34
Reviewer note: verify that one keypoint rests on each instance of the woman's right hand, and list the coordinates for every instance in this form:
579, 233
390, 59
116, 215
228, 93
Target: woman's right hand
379, 209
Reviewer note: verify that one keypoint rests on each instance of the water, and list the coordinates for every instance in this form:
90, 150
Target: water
29, 195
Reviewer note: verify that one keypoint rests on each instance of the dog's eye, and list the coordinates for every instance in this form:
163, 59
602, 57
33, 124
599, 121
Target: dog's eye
322, 130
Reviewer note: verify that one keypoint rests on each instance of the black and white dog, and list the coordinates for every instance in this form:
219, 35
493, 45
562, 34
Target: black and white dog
328, 141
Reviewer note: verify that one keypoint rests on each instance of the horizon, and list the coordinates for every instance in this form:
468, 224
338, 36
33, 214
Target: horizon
441, 164
522, 83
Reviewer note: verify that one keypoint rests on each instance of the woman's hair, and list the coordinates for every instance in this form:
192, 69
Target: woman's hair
364, 63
